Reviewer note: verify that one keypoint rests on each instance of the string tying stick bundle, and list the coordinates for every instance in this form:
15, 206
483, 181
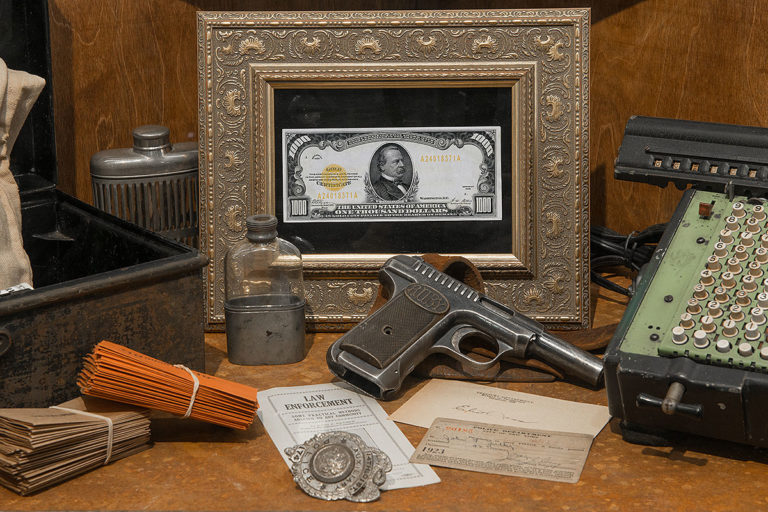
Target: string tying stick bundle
118, 373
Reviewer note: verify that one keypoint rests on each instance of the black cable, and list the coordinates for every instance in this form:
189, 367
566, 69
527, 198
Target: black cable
607, 283
612, 249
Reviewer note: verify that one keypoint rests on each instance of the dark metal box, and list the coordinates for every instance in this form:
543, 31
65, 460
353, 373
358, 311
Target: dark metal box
95, 276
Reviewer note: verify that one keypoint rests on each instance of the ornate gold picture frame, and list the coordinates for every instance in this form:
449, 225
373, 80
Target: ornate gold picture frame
253, 64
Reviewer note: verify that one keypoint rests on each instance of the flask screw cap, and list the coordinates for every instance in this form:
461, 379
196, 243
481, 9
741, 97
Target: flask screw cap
261, 228
150, 137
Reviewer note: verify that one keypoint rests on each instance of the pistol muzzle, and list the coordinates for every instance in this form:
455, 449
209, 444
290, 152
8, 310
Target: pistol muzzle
571, 360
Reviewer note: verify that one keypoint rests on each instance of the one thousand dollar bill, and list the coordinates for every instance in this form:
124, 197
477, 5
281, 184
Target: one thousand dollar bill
391, 174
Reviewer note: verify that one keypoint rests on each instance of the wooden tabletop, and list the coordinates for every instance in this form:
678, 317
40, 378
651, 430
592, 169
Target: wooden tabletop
196, 466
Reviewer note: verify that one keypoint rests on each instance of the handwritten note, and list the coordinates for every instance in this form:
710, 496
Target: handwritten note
544, 455
485, 404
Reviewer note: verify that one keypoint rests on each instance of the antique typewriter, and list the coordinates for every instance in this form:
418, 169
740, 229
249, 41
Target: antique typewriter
691, 352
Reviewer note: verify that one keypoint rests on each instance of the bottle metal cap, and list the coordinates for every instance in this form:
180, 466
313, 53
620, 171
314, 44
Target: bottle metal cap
261, 228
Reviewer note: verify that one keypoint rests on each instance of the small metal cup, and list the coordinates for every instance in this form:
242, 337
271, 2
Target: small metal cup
265, 329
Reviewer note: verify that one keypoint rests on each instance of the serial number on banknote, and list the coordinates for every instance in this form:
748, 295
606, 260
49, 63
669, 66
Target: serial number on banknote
392, 174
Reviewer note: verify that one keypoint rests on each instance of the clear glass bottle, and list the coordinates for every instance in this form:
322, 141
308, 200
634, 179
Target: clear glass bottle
264, 306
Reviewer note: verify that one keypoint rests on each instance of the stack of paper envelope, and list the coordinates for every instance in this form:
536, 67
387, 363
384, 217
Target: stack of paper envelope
42, 447
118, 373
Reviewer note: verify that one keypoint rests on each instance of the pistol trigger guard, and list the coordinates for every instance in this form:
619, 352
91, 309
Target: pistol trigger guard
450, 345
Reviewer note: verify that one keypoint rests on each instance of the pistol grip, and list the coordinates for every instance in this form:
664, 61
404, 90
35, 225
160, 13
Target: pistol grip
381, 338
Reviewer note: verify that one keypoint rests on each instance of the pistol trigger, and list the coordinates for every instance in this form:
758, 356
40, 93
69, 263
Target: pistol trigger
505, 350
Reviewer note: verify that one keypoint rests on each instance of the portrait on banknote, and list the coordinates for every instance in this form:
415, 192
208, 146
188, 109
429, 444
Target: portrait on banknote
390, 172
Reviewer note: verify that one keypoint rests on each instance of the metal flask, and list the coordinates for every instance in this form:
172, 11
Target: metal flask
153, 184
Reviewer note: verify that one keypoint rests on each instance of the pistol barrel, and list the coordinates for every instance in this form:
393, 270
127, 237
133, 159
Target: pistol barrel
571, 360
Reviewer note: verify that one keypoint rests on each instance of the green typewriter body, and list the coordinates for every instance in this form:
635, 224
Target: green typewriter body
691, 352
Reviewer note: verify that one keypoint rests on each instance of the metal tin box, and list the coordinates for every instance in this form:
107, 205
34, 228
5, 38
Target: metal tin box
95, 276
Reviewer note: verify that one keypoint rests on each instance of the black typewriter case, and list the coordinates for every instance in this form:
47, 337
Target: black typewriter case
96, 276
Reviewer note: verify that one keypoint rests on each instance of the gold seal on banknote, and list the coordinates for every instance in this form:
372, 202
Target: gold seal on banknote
334, 177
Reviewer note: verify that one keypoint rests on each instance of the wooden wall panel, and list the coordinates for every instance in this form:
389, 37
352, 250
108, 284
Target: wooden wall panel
123, 63
701, 60
118, 65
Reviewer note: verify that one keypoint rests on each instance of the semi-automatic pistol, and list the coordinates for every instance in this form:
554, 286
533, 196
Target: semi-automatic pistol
429, 312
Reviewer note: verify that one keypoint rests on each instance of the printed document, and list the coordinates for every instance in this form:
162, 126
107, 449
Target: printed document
502, 450
292, 415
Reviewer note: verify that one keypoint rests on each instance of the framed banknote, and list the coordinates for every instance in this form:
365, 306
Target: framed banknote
375, 133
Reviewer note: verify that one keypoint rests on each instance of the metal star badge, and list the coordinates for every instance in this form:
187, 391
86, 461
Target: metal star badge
339, 465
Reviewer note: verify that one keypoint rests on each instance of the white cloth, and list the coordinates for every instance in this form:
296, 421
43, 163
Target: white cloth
18, 92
